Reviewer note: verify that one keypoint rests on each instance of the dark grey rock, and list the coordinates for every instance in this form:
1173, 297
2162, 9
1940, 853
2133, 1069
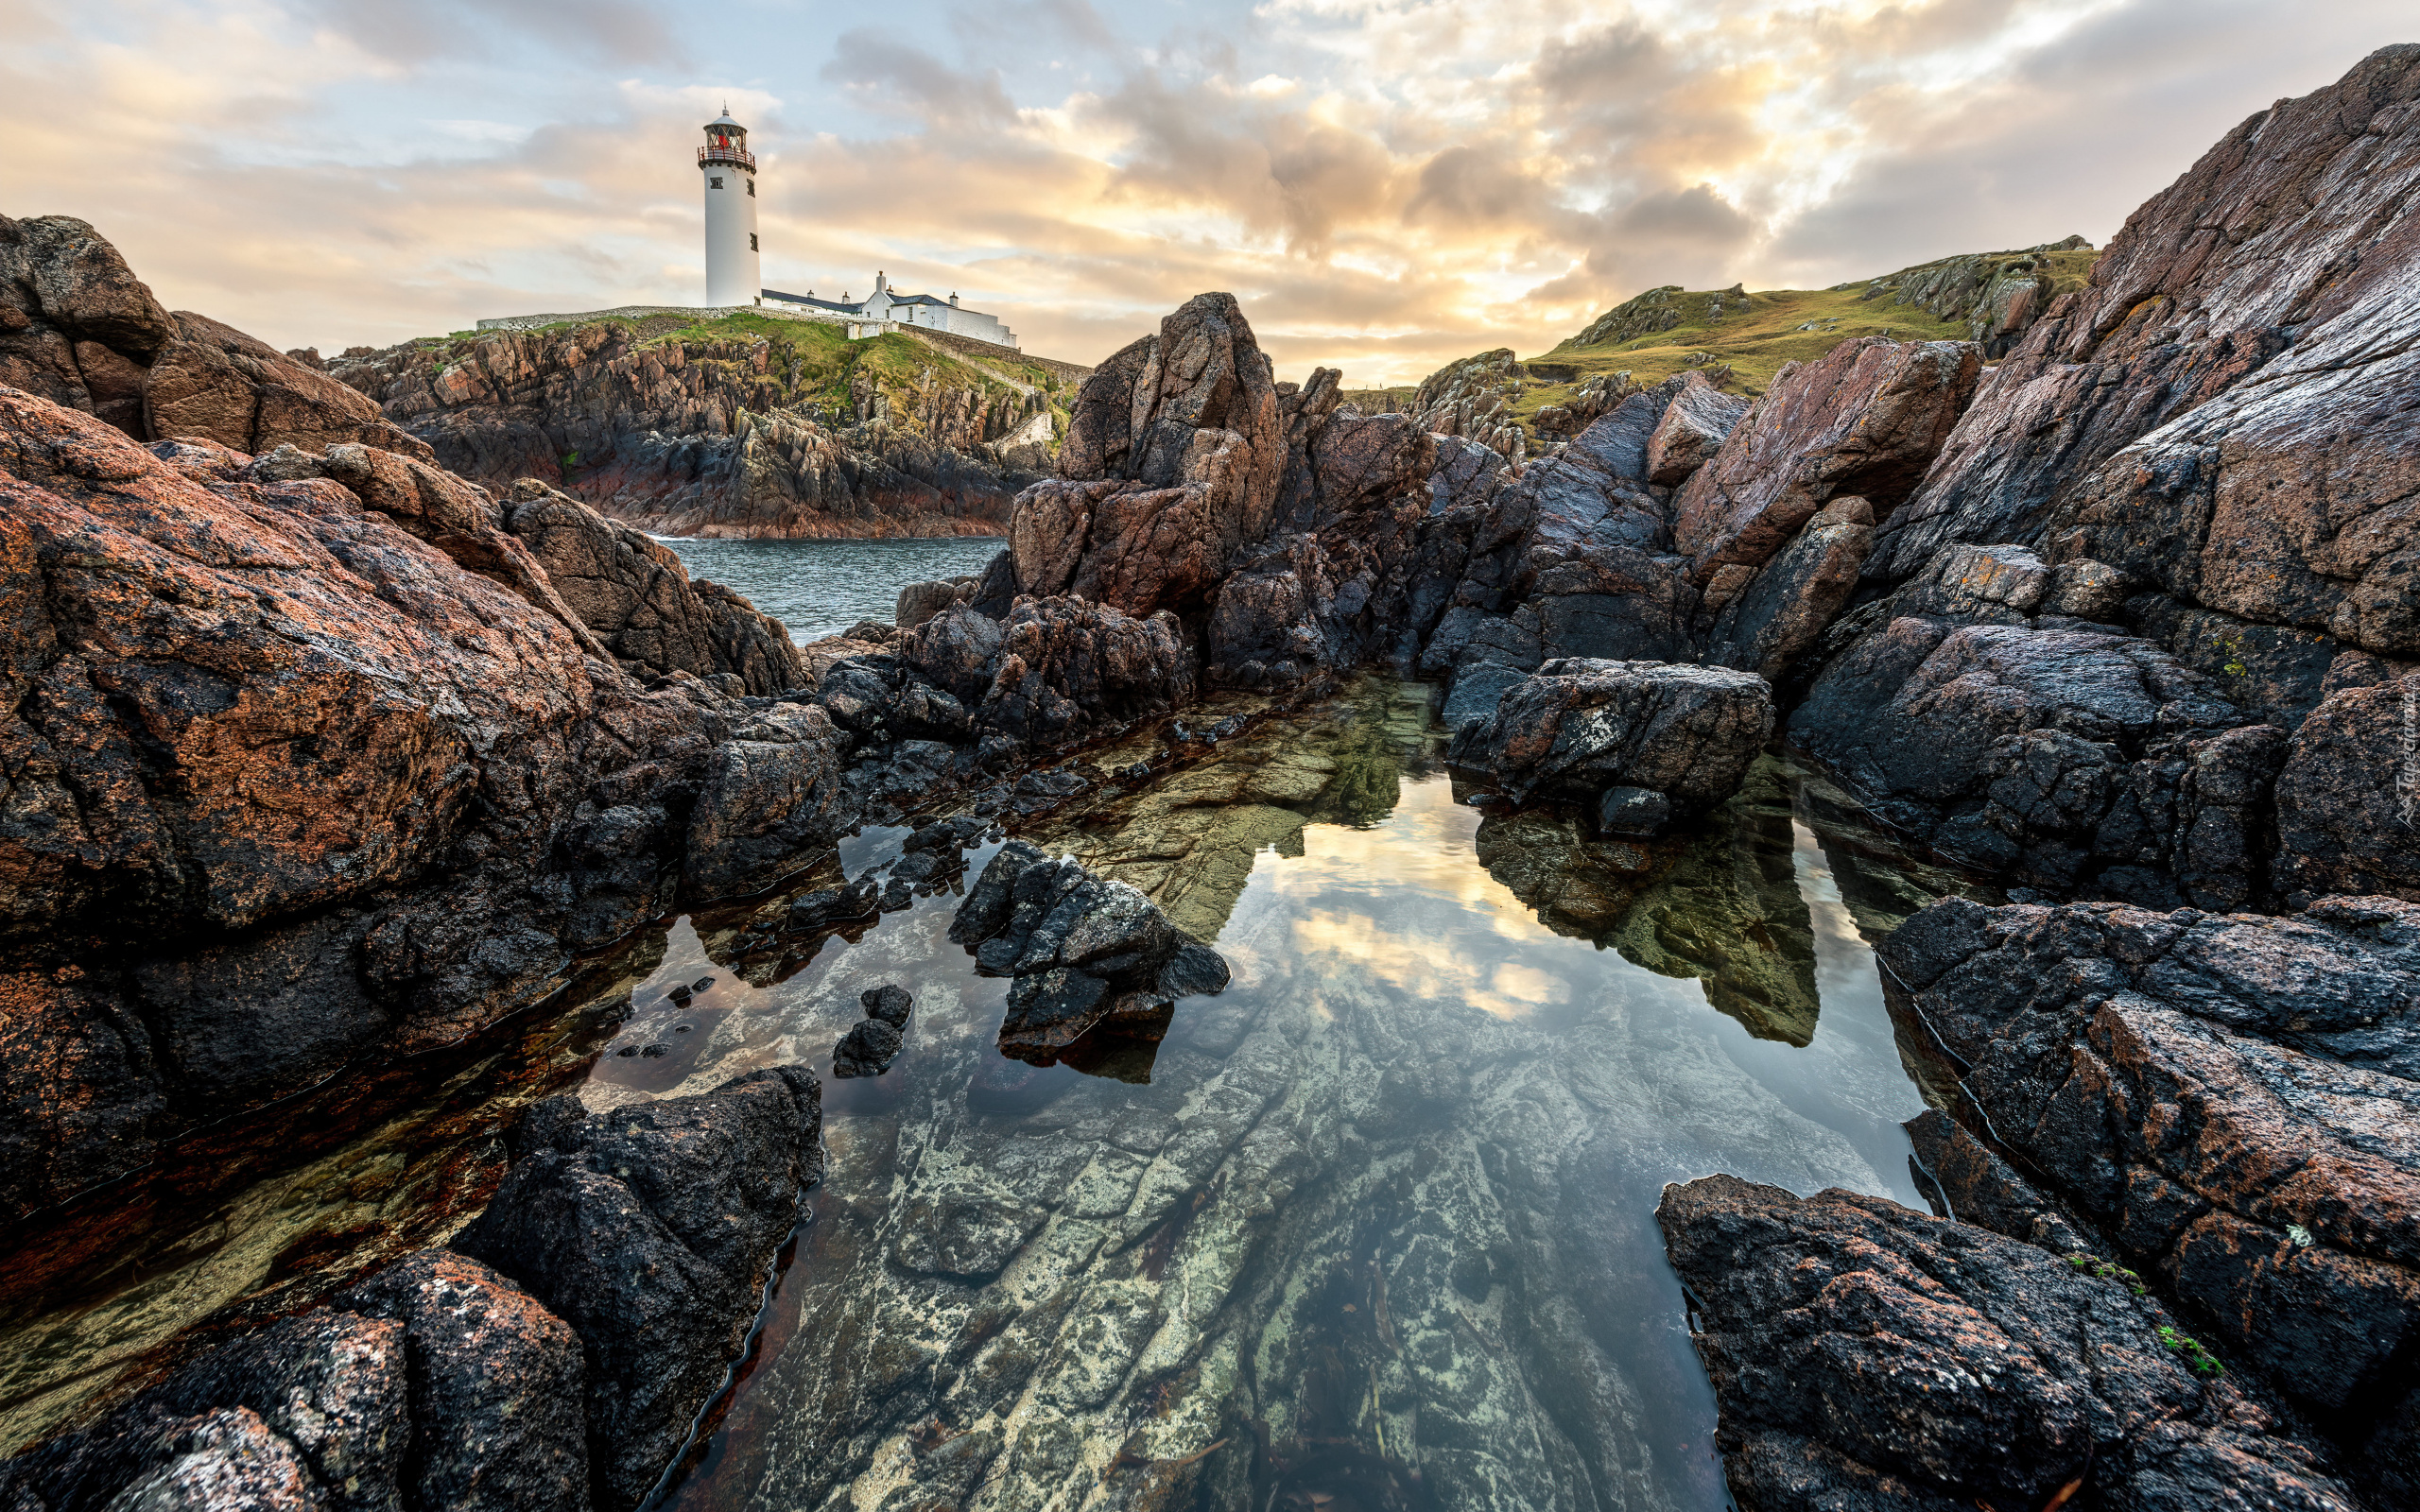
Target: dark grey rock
890, 1003
867, 1049
1632, 811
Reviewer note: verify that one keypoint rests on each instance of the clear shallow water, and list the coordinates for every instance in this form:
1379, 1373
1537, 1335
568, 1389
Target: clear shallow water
819, 588
1373, 1228
1377, 1223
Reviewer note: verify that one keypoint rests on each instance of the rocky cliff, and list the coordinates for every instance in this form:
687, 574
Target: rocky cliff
749, 425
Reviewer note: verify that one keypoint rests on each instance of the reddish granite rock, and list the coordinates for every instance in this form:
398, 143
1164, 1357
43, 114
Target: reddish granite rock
1768, 618
1866, 418
76, 327
2226, 410
214, 382
1865, 1356
1695, 424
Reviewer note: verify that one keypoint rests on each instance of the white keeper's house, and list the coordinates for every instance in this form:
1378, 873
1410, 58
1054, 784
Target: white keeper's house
887, 303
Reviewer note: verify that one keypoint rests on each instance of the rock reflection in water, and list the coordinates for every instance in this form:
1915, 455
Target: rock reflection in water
1377, 1231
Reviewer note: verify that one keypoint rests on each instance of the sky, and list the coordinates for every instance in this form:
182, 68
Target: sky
1385, 184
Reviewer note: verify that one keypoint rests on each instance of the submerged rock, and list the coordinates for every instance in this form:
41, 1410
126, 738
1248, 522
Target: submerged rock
867, 1049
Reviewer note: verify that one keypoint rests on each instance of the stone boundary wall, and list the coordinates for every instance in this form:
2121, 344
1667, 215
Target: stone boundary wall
951, 341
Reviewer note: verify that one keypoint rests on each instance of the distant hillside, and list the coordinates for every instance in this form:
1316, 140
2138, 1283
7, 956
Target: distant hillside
742, 425
1741, 337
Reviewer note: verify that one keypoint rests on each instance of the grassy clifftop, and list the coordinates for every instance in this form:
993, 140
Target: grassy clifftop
1753, 333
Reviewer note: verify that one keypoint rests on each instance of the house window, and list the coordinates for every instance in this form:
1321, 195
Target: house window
752, 188
751, 241
714, 180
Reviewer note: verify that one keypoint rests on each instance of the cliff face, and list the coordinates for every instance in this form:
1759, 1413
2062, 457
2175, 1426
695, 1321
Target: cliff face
743, 426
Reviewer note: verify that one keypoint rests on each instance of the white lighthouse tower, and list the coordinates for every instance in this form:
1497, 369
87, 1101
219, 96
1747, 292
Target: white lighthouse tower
730, 172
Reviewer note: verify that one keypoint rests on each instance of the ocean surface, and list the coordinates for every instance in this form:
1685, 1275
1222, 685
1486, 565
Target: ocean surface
820, 588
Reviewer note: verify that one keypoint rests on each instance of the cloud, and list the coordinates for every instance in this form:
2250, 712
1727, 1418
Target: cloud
1387, 184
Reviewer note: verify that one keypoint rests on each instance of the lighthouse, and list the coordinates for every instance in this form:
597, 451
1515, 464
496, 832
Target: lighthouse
730, 172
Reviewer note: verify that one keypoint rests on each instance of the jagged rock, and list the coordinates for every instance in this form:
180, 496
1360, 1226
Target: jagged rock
649, 1229
1474, 398
1065, 666
1867, 1356
1965, 1179
497, 1388
867, 1049
1577, 727
1773, 614
919, 602
1588, 401
311, 1411
1080, 948
1866, 418
890, 1003
1695, 424
2229, 1098
78, 328
639, 599
2066, 759
2168, 418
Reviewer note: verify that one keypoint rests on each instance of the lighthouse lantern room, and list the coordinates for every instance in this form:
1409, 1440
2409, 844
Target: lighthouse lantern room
730, 172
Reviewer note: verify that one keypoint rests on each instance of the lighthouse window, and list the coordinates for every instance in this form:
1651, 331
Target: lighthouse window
752, 188
751, 241
715, 179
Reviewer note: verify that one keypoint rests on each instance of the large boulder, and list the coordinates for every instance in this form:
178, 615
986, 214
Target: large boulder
772, 800
2230, 1100
1866, 418
2348, 797
289, 785
638, 598
1766, 618
2071, 759
1695, 424
1579, 727
650, 1230
217, 383
76, 327
1866, 1356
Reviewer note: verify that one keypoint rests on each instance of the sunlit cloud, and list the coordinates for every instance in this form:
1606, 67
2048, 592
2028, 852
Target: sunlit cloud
1387, 184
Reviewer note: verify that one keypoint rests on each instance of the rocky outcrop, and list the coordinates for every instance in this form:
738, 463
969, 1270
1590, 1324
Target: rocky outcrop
1579, 727
1474, 398
1868, 1356
2229, 1100
1865, 420
650, 1230
640, 601
2072, 760
78, 328
766, 428
1697, 420
1999, 295
2244, 321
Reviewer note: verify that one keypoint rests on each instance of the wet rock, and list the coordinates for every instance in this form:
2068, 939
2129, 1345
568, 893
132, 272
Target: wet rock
2228, 1097
867, 1049
1695, 424
1964, 1181
1866, 1355
311, 1411
1632, 811
889, 1003
497, 1388
2076, 761
649, 1229
827, 906
1076, 945
1577, 727
1866, 420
